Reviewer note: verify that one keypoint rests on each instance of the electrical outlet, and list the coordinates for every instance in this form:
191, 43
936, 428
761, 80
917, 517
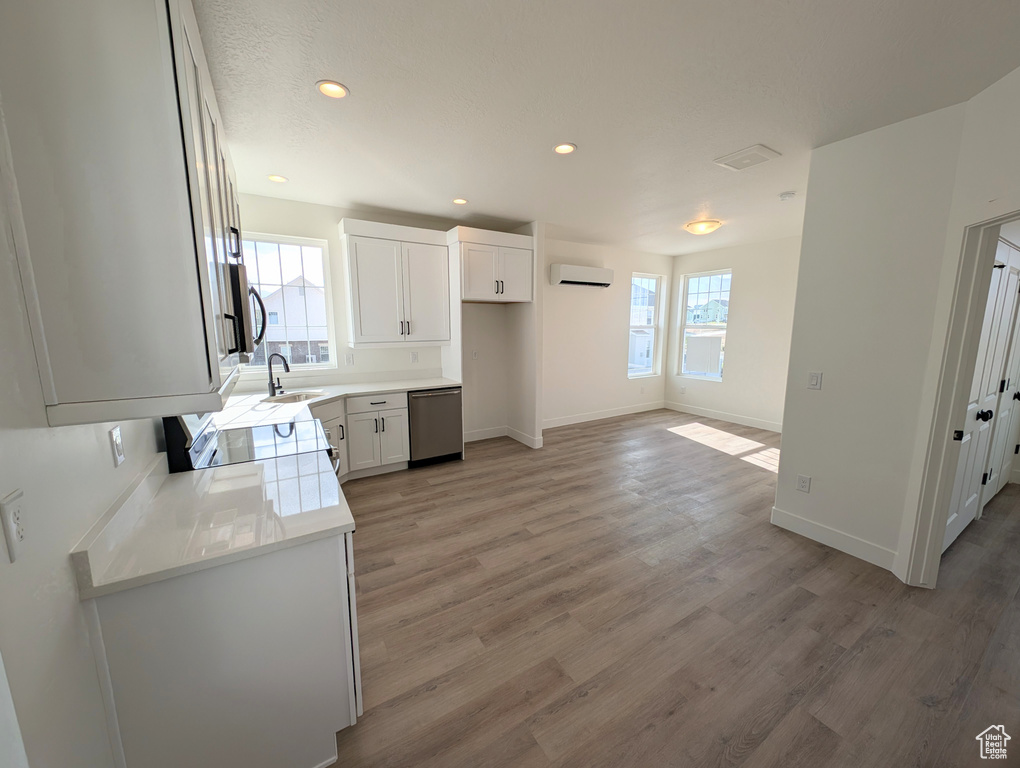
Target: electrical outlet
814, 380
414, 357
117, 444
803, 483
13, 523
349, 360
683, 390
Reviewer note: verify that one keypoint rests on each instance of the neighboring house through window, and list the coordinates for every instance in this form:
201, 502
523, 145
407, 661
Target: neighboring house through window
645, 301
706, 307
290, 275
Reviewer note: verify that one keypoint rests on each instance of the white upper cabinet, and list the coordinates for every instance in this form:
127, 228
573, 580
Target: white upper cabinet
125, 187
495, 266
398, 284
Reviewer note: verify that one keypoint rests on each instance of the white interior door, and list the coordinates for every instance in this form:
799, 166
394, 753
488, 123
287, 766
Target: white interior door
515, 274
377, 294
1004, 396
426, 292
977, 429
478, 271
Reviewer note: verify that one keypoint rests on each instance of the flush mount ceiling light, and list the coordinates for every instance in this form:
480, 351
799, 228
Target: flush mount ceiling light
785, 197
564, 149
277, 178
459, 201
332, 88
702, 226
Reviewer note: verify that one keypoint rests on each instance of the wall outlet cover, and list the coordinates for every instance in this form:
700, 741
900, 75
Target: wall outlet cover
349, 360
814, 380
414, 357
803, 483
117, 444
13, 523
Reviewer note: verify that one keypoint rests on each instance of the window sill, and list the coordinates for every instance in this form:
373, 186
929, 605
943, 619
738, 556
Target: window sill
694, 377
643, 375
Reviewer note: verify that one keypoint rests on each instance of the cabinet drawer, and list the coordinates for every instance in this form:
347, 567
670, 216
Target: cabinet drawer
366, 403
333, 409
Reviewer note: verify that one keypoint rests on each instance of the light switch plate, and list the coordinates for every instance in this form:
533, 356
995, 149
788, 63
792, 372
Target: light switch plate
117, 444
814, 380
13, 524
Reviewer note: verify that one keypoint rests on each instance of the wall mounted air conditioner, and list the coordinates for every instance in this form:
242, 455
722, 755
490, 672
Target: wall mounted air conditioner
569, 274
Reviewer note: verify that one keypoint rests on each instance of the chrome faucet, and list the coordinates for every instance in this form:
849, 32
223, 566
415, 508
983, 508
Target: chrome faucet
276, 387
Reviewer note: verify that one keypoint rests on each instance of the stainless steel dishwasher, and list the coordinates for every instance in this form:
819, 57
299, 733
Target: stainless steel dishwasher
437, 425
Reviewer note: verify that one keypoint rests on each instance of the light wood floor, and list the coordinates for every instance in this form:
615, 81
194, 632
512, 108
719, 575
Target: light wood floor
619, 598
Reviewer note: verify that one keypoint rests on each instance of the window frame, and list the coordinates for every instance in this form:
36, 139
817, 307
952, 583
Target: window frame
683, 325
249, 372
657, 325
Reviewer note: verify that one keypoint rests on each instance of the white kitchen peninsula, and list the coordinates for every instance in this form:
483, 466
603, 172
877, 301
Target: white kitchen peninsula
222, 614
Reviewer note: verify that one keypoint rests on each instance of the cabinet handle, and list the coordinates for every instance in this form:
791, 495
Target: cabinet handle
408, 327
401, 327
383, 423
341, 431
381, 402
235, 242
377, 425
497, 287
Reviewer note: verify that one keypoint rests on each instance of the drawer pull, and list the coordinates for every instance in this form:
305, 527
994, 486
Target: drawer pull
381, 402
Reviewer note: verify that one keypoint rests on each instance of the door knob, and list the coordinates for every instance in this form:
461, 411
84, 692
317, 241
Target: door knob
985, 415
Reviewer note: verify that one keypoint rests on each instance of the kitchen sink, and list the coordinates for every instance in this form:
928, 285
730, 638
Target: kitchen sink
294, 397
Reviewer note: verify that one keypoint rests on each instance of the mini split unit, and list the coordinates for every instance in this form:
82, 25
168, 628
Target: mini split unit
568, 274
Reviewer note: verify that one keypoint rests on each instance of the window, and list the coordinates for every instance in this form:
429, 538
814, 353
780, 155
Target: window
706, 307
290, 275
642, 357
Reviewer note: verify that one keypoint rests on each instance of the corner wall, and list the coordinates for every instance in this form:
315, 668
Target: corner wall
873, 242
758, 334
586, 336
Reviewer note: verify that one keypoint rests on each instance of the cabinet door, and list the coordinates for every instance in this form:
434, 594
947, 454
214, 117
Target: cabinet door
393, 436
363, 440
516, 274
336, 431
426, 292
376, 289
478, 272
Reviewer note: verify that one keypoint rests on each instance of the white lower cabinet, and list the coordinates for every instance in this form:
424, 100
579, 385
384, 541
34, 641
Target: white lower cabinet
377, 438
336, 433
394, 442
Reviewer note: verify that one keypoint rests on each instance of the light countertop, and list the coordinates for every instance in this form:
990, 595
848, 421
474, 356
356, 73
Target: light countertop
247, 409
167, 525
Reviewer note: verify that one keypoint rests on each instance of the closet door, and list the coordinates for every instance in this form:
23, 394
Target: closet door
1005, 402
974, 445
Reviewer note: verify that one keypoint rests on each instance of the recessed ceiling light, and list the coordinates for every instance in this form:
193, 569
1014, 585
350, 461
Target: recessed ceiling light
702, 226
277, 178
332, 88
459, 201
564, 149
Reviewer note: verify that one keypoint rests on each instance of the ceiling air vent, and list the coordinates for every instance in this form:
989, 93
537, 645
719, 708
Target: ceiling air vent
747, 158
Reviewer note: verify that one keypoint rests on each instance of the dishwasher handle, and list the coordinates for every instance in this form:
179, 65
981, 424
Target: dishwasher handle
435, 394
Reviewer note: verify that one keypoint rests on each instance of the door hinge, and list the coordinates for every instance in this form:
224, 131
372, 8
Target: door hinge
958, 435
999, 266
1002, 386
984, 479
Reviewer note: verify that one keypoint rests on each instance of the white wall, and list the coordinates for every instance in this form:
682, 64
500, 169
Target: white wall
486, 368
758, 333
269, 215
585, 334
12, 748
69, 480
873, 242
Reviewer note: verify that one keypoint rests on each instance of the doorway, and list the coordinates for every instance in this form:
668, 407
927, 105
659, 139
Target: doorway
973, 442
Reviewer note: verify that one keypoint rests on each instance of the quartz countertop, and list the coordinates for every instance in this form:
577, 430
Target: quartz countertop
247, 409
167, 525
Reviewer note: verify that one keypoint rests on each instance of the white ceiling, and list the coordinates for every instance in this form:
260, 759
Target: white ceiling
466, 98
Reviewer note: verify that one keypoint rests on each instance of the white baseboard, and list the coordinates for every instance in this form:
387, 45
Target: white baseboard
1014, 476
578, 418
734, 418
844, 542
484, 434
528, 440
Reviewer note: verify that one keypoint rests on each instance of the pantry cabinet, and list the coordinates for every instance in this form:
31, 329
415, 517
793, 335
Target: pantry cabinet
398, 285
495, 266
125, 252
